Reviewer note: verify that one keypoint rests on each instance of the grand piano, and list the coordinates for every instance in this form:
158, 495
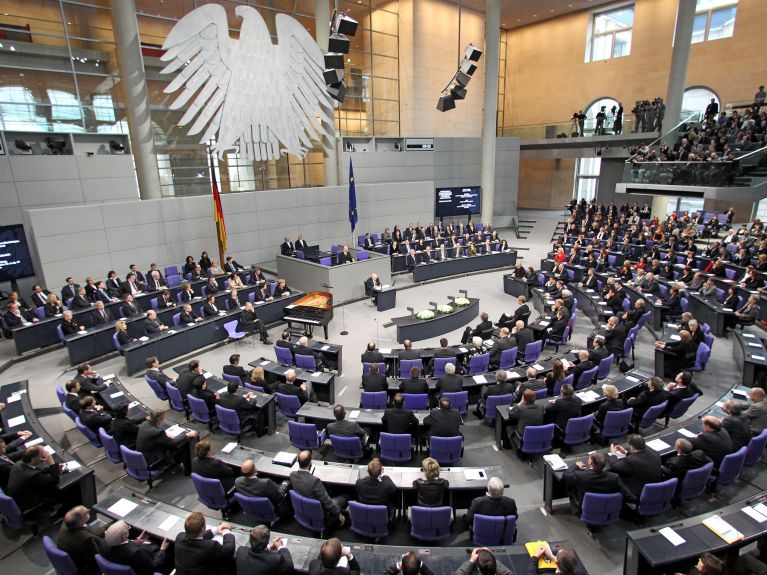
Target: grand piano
315, 308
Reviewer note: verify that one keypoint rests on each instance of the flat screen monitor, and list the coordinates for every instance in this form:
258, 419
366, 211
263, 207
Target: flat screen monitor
458, 201
15, 261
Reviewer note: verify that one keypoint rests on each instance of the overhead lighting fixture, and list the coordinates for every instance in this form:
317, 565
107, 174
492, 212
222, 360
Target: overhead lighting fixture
342, 27
456, 88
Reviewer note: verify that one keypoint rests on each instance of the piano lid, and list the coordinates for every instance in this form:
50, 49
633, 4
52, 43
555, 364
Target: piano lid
318, 299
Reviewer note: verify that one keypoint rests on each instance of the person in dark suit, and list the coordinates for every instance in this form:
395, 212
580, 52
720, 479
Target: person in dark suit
113, 285
578, 367
615, 336
523, 335
563, 408
484, 327
10, 453
155, 282
291, 387
80, 301
342, 427
302, 348
188, 316
165, 300
231, 266
142, 555
210, 467
344, 256
399, 420
157, 374
235, 369
73, 397
444, 421
503, 343
287, 248
686, 459
639, 465
522, 313
331, 553
34, 479
525, 413
305, 483
209, 308
201, 391
371, 354
374, 381
197, 553
494, 503
69, 291
500, 387
245, 405
132, 286
156, 445
416, 384
140, 279
131, 308
68, 325
451, 382
39, 296
261, 556
53, 306
250, 323
152, 325
376, 489
653, 395
736, 424
714, 440
100, 315
444, 350
581, 479
533, 382
15, 316
124, 429
285, 342
612, 402
251, 485
408, 352
681, 388
92, 416
90, 382
372, 287
79, 540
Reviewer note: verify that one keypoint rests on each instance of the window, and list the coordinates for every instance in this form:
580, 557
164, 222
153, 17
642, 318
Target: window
714, 19
695, 101
610, 105
611, 34
64, 105
586, 178
103, 108
18, 109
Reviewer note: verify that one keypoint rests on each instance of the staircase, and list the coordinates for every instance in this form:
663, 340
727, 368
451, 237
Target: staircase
524, 227
753, 177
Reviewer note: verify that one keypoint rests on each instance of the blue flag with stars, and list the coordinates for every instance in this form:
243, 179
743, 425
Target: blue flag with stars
352, 197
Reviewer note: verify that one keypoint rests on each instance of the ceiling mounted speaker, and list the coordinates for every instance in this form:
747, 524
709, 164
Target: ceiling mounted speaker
339, 43
337, 91
446, 102
472, 53
346, 25
467, 67
333, 76
333, 60
462, 78
458, 92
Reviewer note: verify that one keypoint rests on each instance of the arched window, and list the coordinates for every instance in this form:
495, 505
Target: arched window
696, 99
592, 111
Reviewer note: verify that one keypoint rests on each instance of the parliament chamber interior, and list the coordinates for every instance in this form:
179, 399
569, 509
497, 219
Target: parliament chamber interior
383, 286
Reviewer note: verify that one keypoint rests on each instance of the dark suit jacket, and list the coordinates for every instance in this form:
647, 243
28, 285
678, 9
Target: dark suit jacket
264, 561
29, 486
372, 357
208, 310
93, 420
153, 442
738, 429
125, 431
290, 389
345, 258
637, 469
152, 325
69, 292
400, 420
242, 406
645, 401
82, 544
214, 469
101, 317
369, 284
259, 487
501, 344
131, 309
143, 558
483, 327
594, 482
678, 465
609, 405
442, 423
202, 556
346, 428
577, 369
411, 385
158, 376
306, 484
563, 409
374, 382
523, 337
614, 339
72, 402
379, 491
236, 370
316, 568
190, 317
524, 414
409, 354
184, 382
714, 444
450, 383
493, 506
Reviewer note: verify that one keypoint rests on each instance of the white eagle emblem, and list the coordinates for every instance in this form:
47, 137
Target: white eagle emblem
265, 99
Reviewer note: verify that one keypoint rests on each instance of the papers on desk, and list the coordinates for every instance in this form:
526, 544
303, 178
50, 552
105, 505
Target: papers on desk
354, 415
265, 362
133, 404
555, 461
544, 324
686, 432
632, 379
33, 442
325, 348
479, 378
759, 357
588, 396
723, 529
123, 507
753, 344
674, 337
174, 431
474, 474
674, 325
144, 338
657, 445
229, 447
538, 367
316, 374
566, 364
385, 286
749, 335
291, 306
754, 514
262, 302
171, 331
70, 466
118, 394
727, 309
285, 458
49, 450
13, 398
14, 421
674, 538
513, 375
169, 522
207, 375
82, 331
740, 392
602, 302
761, 508
589, 290
222, 313
385, 350
549, 302
463, 350
190, 324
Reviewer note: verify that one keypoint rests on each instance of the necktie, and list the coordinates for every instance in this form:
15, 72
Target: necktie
103, 314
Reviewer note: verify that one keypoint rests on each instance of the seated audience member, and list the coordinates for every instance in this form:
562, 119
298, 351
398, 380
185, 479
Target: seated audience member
415, 384
636, 467
101, 315
342, 427
398, 419
503, 343
335, 558
593, 478
197, 552
483, 327
409, 564
371, 354
156, 445
376, 488
72, 398
556, 375
523, 335
130, 308
494, 503
124, 429
251, 324
90, 381
451, 382
262, 293
79, 540
757, 410
190, 378
188, 316
431, 490
142, 555
501, 387
209, 308
121, 331
292, 387
152, 325
154, 372
258, 379
612, 402
483, 561
577, 368
373, 287
533, 382
525, 413
235, 369
653, 395
374, 381
263, 556
68, 325
282, 288
210, 467
408, 352
52, 306
563, 408
251, 485
92, 416
679, 354
34, 479
566, 561
681, 388
303, 482
246, 405
80, 301
714, 440
443, 421
686, 458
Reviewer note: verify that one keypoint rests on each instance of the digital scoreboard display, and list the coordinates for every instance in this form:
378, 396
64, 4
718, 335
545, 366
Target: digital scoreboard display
459, 201
15, 261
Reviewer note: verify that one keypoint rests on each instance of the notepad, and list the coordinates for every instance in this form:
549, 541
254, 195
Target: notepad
674, 325
726, 309
169, 522
32, 442
754, 344
118, 394
265, 362
761, 508
316, 374
207, 374
749, 335
566, 364
229, 447
143, 338
759, 357
544, 324
123, 507
49, 450
754, 514
657, 445
284, 458
133, 404
555, 461
262, 302
588, 396
174, 431
13, 398
686, 432
480, 378
538, 367
674, 338
463, 350
513, 375
632, 378
723, 529
673, 537
544, 562
325, 348
385, 350
354, 414
71, 466
14, 421
473, 474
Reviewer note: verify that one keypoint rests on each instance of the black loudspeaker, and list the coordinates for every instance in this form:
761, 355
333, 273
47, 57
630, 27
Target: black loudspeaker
333, 76
472, 53
334, 61
446, 102
337, 91
467, 67
462, 78
458, 92
339, 43
346, 25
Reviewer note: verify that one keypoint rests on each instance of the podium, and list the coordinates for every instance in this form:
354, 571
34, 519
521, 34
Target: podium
387, 299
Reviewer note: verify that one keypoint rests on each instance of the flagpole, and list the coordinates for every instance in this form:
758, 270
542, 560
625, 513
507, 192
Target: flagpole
217, 215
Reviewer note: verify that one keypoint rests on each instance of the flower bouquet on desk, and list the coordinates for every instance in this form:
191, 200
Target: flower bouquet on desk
444, 309
461, 302
425, 314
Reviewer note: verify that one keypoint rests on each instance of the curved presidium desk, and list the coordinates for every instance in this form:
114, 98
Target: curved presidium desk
414, 329
464, 265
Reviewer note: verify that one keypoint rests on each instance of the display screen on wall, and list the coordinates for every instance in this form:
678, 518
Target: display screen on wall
460, 201
15, 261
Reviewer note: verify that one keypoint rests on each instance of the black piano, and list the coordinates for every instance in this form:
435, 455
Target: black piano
315, 308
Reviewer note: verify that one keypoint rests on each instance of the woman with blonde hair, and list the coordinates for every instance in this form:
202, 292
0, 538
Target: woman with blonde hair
282, 288
121, 328
258, 378
612, 402
430, 489
53, 307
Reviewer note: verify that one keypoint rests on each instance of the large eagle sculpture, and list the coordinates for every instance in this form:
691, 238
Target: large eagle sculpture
249, 94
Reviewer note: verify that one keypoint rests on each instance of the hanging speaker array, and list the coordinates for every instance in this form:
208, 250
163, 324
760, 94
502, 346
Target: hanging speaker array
456, 88
342, 27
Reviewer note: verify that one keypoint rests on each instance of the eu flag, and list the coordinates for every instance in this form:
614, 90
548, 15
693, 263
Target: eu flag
352, 197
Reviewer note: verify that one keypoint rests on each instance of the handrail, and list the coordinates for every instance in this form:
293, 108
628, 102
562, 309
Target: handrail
754, 153
628, 160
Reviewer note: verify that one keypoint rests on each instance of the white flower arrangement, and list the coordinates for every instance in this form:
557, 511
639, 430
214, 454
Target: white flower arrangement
461, 301
444, 309
425, 314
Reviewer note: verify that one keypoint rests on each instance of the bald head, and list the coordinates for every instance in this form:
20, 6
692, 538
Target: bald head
248, 468
76, 517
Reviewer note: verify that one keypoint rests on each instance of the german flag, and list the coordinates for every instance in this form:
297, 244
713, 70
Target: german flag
218, 213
